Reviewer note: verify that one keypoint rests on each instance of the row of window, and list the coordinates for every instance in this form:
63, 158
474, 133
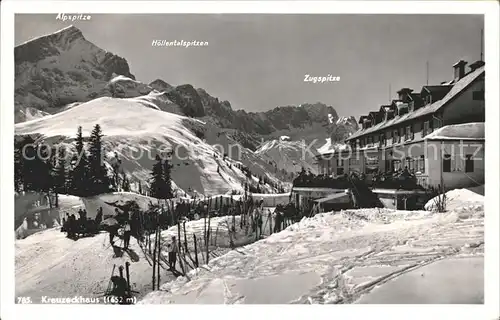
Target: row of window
399, 135
412, 164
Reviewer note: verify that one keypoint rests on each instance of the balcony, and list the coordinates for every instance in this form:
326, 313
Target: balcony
403, 180
423, 180
322, 181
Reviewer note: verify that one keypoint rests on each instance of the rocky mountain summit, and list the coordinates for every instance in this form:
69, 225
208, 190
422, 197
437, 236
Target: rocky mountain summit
61, 68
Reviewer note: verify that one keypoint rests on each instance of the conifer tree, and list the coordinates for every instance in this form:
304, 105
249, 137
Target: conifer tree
52, 167
167, 180
157, 185
42, 166
125, 183
98, 176
116, 166
78, 175
24, 150
61, 176
18, 163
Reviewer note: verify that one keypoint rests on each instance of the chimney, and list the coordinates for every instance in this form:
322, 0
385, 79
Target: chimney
402, 94
476, 65
459, 69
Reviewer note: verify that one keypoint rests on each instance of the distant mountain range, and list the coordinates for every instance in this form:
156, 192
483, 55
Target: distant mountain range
60, 71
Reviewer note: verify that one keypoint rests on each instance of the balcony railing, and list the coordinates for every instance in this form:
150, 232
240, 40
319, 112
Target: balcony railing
322, 181
423, 180
397, 180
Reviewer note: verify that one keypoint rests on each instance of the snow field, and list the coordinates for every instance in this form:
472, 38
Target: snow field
340, 258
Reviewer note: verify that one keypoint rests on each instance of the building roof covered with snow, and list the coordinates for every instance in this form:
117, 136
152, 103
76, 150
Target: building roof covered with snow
465, 131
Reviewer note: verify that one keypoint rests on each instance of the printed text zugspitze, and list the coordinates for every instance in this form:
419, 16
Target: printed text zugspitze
329, 78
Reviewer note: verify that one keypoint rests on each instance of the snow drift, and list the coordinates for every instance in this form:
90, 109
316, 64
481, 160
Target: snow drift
459, 198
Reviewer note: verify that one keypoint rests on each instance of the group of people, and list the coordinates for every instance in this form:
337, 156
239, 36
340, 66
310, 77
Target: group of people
403, 178
256, 218
284, 214
113, 232
124, 222
82, 225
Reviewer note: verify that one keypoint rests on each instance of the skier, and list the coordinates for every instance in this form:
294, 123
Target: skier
64, 226
113, 231
172, 253
84, 215
259, 223
126, 235
71, 226
277, 219
98, 217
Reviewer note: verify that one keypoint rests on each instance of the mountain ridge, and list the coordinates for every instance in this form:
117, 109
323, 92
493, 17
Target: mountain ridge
65, 71
63, 67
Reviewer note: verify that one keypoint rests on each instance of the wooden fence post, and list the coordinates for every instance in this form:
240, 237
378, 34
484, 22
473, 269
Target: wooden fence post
270, 218
196, 250
154, 263
208, 237
185, 237
159, 257
179, 247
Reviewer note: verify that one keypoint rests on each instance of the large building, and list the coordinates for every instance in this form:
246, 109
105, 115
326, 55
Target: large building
411, 131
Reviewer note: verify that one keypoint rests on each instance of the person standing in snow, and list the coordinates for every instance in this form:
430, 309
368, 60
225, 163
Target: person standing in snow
259, 211
126, 235
72, 226
113, 231
98, 217
172, 253
277, 219
63, 225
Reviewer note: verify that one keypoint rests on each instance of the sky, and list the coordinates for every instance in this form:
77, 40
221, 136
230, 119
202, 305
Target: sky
258, 62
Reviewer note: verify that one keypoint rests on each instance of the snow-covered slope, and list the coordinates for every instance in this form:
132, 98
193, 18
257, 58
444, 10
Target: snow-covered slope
225, 143
288, 155
356, 256
137, 132
343, 127
338, 130
49, 264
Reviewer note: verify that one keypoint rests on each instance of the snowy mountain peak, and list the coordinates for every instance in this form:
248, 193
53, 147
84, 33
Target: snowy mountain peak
287, 155
60, 68
47, 45
348, 121
338, 131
